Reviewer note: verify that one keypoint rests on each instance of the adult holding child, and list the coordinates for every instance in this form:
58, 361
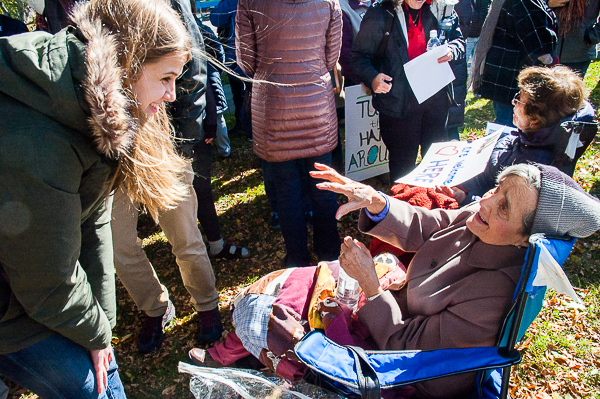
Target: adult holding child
391, 34
82, 111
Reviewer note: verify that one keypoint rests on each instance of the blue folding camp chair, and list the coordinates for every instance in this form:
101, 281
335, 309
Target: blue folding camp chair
362, 373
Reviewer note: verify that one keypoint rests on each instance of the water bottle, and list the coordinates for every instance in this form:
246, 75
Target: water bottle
347, 290
433, 40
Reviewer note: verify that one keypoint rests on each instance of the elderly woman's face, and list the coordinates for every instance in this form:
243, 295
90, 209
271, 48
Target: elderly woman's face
520, 119
500, 218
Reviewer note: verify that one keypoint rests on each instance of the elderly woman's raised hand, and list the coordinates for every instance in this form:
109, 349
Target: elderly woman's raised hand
359, 195
357, 262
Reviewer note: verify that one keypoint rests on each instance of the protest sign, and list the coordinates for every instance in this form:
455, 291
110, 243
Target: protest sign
452, 163
366, 155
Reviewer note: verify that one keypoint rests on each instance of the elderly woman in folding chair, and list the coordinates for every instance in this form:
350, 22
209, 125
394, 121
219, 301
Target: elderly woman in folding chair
460, 283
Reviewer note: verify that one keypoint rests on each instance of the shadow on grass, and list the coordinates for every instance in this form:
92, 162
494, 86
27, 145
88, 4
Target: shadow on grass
477, 114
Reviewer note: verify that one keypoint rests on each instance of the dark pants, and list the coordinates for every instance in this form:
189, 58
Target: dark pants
207, 214
237, 91
579, 67
287, 177
271, 187
423, 125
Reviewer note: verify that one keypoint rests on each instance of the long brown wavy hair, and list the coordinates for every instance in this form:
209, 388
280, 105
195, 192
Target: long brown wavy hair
145, 31
571, 16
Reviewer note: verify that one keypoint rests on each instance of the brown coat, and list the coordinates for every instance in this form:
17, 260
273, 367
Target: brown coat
456, 293
295, 44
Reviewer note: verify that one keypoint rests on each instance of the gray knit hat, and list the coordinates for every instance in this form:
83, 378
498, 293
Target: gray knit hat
563, 207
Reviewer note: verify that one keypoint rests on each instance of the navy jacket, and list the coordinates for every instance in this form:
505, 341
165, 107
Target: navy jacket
214, 48
10, 26
546, 146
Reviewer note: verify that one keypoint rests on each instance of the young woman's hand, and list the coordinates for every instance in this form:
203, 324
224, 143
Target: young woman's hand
100, 360
357, 262
359, 195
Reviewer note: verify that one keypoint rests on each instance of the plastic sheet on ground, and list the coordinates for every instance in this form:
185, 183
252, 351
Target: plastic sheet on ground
225, 383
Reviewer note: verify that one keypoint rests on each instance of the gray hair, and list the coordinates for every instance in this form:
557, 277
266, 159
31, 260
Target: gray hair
533, 179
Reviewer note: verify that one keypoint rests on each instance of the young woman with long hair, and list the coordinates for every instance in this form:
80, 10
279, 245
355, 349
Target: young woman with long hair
82, 111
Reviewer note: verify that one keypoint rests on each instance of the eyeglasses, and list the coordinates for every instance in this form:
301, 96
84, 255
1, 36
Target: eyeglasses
517, 99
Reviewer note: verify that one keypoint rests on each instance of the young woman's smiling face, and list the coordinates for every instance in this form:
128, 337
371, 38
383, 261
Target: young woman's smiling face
500, 218
156, 83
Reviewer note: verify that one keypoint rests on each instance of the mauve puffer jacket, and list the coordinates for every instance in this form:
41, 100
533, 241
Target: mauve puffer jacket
292, 44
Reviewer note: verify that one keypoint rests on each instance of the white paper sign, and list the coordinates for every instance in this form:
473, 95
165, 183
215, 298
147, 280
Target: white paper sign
426, 76
366, 155
452, 163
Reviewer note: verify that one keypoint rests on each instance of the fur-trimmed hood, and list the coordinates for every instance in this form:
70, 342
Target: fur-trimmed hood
72, 77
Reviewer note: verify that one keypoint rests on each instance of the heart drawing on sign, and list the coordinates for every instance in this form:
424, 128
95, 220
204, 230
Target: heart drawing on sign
448, 151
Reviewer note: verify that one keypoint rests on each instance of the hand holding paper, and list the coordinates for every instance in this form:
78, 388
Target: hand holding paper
426, 75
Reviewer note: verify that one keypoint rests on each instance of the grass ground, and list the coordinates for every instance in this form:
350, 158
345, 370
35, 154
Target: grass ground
561, 351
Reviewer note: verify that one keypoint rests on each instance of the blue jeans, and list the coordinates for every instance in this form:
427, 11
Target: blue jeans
222, 140
504, 113
59, 368
471, 46
287, 178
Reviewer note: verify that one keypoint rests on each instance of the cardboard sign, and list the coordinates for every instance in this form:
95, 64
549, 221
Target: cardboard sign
452, 163
366, 155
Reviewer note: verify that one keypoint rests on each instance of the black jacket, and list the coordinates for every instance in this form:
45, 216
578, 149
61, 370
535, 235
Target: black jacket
480, 12
526, 29
367, 67
187, 111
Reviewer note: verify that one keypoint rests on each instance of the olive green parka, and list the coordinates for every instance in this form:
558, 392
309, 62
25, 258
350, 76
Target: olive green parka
63, 123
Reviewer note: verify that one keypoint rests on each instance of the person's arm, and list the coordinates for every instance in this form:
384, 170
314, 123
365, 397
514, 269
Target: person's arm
211, 43
459, 324
347, 38
456, 41
592, 34
188, 109
210, 119
365, 45
333, 39
97, 258
533, 28
406, 226
245, 37
223, 13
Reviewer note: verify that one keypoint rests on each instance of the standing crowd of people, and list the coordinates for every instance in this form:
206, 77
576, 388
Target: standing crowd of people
111, 107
